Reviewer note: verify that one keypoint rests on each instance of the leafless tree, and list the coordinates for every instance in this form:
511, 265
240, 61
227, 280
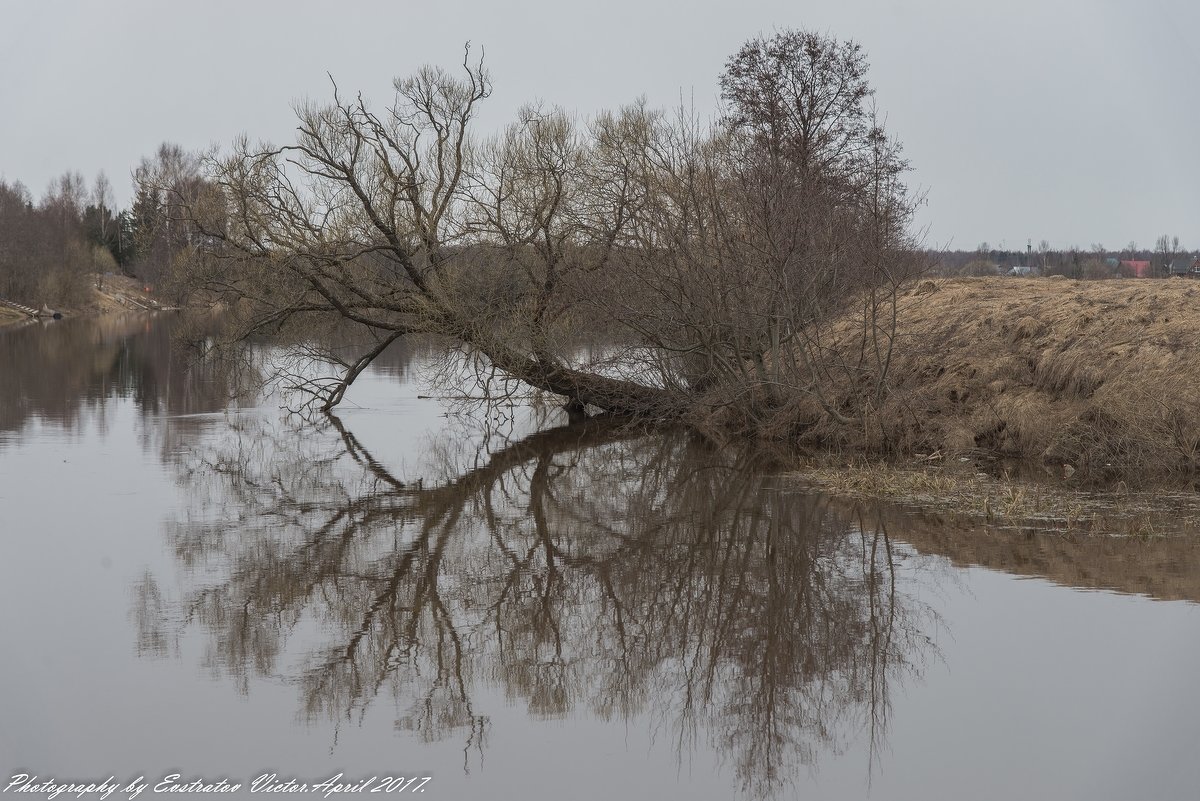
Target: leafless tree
1164, 248
170, 189
45, 257
721, 262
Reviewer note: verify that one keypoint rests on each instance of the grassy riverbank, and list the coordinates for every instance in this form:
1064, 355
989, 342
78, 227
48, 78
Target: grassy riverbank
116, 294
1096, 378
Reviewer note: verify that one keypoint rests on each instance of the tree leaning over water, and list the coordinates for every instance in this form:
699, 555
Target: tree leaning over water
718, 258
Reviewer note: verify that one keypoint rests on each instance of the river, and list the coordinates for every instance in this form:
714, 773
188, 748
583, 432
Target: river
511, 606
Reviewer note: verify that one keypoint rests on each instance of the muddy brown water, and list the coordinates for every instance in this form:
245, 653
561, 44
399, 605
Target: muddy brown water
519, 608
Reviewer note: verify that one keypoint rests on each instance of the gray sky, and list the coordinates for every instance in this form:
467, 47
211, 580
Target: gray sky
1069, 120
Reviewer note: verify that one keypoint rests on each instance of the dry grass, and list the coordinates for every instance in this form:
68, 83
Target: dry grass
1103, 376
9, 316
1004, 502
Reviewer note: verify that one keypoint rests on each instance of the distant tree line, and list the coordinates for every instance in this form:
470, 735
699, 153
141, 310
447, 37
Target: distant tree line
53, 250
1091, 263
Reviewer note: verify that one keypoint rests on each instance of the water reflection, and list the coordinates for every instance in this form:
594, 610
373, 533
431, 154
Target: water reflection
1162, 567
586, 572
62, 372
582, 568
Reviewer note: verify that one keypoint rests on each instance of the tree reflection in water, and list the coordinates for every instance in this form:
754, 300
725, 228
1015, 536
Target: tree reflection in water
582, 568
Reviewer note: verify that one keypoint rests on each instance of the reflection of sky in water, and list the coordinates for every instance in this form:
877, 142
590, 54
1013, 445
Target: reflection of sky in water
1028, 689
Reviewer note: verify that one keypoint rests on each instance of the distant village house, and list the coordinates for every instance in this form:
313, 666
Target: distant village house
1140, 269
1184, 266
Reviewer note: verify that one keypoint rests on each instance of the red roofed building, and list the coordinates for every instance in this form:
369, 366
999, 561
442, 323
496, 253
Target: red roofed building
1140, 269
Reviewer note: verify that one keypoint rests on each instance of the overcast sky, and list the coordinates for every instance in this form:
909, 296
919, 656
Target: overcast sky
1075, 121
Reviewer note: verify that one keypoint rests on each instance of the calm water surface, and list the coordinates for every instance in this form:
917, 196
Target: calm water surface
521, 608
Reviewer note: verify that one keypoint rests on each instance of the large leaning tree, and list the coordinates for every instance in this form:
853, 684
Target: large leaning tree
711, 257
